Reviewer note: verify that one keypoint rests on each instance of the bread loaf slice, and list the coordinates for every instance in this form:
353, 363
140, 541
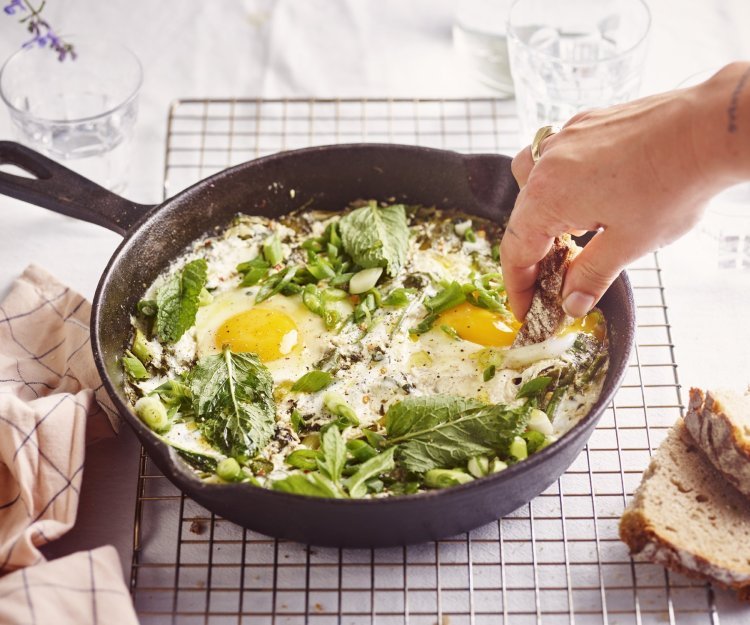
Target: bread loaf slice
546, 315
719, 422
686, 517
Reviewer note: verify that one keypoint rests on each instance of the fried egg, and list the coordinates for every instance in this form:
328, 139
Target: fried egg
285, 335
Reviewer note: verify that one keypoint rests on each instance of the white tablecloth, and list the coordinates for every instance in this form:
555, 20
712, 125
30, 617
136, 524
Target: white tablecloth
327, 48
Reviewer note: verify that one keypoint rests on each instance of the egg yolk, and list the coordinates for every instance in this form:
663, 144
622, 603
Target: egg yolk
480, 325
264, 331
592, 323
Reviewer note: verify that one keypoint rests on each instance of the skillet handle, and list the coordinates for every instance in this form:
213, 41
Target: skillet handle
63, 191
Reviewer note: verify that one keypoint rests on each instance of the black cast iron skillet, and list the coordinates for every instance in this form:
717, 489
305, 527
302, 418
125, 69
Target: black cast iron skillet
328, 178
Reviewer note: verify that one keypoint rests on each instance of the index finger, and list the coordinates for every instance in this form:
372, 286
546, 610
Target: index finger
525, 242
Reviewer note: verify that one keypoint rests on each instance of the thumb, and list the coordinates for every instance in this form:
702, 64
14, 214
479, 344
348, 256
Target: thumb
593, 270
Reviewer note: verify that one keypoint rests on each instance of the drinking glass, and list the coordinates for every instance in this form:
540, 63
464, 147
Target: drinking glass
570, 56
79, 111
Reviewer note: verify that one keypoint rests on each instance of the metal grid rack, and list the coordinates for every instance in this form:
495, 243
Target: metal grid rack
555, 560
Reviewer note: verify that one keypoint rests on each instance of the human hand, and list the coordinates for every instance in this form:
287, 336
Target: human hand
638, 173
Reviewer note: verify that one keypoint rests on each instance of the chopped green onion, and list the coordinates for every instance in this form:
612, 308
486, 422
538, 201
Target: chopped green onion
229, 470
518, 449
360, 450
470, 236
534, 387
364, 280
272, 251
397, 297
153, 413
489, 373
451, 332
337, 406
296, 420
134, 367
539, 422
321, 269
312, 382
140, 347
305, 459
495, 251
449, 297
442, 478
478, 466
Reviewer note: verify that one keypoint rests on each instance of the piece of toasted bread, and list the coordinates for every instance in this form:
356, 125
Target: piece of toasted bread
686, 517
719, 422
546, 315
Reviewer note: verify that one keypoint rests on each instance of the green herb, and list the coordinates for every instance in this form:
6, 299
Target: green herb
233, 402
360, 450
333, 451
375, 439
312, 382
376, 237
253, 271
398, 297
296, 420
173, 393
134, 367
177, 301
443, 478
444, 431
382, 463
312, 484
489, 373
495, 252
275, 283
305, 459
451, 296
535, 387
272, 251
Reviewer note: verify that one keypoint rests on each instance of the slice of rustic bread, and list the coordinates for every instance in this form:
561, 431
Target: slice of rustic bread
719, 422
686, 517
546, 315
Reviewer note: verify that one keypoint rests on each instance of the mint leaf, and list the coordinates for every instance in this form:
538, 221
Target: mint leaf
312, 381
334, 453
444, 431
382, 463
376, 237
177, 301
310, 484
233, 402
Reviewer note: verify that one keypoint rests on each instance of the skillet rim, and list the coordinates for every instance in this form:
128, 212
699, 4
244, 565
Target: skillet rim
179, 471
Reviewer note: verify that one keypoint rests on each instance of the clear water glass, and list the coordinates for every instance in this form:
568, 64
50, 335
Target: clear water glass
80, 112
575, 55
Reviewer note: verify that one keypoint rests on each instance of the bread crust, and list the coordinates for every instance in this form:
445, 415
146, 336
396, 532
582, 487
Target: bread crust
645, 540
546, 315
719, 438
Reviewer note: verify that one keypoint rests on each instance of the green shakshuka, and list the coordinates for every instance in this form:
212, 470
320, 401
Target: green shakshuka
361, 353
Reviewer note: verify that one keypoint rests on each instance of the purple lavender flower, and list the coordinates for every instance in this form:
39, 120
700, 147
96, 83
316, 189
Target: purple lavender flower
12, 6
42, 34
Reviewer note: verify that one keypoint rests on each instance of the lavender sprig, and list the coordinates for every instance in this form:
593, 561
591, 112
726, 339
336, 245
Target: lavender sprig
42, 34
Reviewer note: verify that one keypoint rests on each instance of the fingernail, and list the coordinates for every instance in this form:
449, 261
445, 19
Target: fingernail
577, 304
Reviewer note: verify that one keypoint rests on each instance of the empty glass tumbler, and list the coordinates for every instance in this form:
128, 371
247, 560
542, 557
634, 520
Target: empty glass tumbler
80, 111
570, 56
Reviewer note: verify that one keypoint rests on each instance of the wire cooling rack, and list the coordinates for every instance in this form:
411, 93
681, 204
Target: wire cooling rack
555, 560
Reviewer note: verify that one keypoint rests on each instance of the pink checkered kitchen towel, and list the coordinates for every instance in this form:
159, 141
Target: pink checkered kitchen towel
49, 411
